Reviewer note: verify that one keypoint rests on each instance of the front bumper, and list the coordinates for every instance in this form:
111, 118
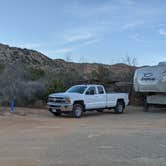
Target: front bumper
60, 107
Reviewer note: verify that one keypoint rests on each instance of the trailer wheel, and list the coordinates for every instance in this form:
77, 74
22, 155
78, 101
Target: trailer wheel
119, 107
146, 107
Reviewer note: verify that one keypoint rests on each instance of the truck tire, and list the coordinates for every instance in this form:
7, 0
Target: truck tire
119, 107
78, 110
55, 113
146, 107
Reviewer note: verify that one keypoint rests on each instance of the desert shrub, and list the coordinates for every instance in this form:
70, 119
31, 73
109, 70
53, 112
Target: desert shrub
36, 74
54, 86
72, 77
28, 93
2, 67
102, 75
26, 51
35, 62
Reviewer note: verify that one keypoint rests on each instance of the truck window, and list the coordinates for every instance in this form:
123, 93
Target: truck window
91, 91
77, 89
100, 90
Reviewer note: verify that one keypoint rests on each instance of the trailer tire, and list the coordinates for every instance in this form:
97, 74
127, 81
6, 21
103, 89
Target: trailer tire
146, 107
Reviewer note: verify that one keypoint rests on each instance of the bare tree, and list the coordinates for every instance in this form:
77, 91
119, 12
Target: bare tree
128, 60
131, 62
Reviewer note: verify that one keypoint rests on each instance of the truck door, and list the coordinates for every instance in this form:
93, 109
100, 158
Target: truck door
101, 97
90, 98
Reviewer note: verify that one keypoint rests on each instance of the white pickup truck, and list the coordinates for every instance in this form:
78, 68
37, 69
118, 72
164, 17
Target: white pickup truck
81, 98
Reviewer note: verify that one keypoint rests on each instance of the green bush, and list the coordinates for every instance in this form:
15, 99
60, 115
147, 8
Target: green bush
36, 74
2, 67
54, 86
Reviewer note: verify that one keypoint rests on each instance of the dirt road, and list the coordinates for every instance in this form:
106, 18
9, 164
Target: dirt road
37, 138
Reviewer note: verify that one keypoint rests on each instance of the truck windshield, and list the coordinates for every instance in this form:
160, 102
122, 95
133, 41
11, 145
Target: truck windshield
77, 89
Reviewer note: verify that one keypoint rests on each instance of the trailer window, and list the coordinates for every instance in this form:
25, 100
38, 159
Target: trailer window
100, 90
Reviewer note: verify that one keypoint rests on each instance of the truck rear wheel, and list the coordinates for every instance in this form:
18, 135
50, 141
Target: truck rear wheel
77, 110
119, 109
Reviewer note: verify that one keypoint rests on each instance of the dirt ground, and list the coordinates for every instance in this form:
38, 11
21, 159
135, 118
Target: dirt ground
34, 137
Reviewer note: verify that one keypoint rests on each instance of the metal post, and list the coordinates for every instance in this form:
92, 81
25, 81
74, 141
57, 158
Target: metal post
12, 106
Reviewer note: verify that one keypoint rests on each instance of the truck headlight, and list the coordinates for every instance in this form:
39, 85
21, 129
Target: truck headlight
68, 100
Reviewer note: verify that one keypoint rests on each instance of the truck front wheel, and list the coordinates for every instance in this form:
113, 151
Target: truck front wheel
77, 110
58, 113
119, 107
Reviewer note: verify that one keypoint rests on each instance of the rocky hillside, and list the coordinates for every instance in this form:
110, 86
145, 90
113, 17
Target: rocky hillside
29, 76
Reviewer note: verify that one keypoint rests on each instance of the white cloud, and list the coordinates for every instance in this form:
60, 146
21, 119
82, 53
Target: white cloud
31, 45
162, 32
93, 41
136, 37
61, 51
69, 50
132, 25
94, 22
26, 45
79, 37
83, 10
125, 2
107, 17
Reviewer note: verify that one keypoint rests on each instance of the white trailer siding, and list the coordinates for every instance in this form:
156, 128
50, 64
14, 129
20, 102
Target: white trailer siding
151, 79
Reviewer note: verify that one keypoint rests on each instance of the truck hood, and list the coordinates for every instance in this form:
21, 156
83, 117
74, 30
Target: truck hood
73, 96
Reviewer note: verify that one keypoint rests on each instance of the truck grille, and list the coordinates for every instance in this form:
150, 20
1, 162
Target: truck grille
56, 100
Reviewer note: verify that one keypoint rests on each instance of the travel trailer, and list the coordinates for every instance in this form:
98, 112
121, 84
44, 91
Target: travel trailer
151, 81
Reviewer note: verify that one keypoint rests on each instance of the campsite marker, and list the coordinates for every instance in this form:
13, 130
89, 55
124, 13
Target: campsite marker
12, 106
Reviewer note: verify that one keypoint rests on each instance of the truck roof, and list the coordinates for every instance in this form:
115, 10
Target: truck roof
89, 85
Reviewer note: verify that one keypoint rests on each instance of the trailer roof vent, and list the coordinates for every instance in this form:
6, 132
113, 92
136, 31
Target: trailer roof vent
162, 64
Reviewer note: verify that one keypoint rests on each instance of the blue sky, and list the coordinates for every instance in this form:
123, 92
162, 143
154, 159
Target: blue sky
102, 31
